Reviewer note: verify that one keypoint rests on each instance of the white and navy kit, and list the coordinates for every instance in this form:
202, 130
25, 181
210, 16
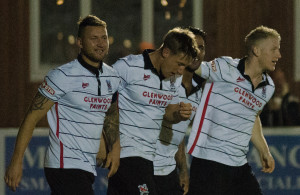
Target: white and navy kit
143, 97
167, 144
229, 105
82, 94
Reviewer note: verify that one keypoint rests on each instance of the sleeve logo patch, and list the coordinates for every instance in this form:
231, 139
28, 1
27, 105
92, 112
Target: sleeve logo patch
143, 189
47, 88
213, 66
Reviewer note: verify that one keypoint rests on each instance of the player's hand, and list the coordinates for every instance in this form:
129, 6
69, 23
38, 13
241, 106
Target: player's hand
268, 163
113, 159
13, 175
185, 110
184, 182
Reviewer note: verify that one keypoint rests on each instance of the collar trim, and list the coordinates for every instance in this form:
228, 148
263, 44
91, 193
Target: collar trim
89, 67
149, 65
241, 68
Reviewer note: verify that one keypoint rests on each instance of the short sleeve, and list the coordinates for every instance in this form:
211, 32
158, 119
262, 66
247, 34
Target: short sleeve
212, 70
55, 85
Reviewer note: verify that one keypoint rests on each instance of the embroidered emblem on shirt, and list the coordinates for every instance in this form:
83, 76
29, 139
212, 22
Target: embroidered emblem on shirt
264, 91
85, 85
109, 86
146, 77
47, 88
240, 79
213, 66
172, 83
197, 97
143, 189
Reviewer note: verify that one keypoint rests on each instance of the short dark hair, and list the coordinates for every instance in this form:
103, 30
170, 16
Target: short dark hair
89, 20
181, 40
198, 31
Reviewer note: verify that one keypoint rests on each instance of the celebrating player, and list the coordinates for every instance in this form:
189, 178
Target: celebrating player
148, 90
171, 139
228, 118
75, 97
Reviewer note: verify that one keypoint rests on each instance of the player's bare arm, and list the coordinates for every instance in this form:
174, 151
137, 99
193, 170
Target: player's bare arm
178, 112
261, 145
102, 153
181, 164
37, 110
112, 136
111, 125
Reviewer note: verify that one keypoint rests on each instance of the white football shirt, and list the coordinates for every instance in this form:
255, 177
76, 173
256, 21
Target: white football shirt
76, 119
229, 105
167, 144
143, 97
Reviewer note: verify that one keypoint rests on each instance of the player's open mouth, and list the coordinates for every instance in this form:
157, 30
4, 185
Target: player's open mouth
99, 51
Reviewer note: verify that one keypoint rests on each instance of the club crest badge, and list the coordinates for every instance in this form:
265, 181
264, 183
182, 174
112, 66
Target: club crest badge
172, 83
109, 88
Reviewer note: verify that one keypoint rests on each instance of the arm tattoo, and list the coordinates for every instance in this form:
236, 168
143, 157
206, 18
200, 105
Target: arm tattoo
111, 125
38, 102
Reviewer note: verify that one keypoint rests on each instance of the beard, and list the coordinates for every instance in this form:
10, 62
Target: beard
93, 57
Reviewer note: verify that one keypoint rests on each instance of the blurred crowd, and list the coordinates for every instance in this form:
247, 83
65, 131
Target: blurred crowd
283, 108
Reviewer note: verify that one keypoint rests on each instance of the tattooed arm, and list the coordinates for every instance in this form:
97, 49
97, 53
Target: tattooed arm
111, 125
112, 138
38, 109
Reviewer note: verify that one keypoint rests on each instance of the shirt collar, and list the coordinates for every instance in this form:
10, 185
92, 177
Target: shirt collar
89, 67
198, 80
149, 65
241, 68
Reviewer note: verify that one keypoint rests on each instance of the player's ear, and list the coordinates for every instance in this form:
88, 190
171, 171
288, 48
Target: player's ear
256, 51
165, 52
79, 42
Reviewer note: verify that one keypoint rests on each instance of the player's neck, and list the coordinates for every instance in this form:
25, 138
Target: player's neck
90, 62
187, 78
156, 59
254, 71
187, 81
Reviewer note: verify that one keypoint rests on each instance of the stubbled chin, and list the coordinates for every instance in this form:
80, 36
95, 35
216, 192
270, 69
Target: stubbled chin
273, 68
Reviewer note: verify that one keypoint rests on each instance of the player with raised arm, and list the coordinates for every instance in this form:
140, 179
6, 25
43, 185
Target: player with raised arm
228, 118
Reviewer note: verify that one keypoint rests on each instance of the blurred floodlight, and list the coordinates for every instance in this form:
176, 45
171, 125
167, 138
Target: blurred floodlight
71, 39
127, 43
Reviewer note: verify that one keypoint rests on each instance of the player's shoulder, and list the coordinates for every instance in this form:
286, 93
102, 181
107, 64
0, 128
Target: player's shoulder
64, 70
133, 60
227, 60
70, 69
108, 70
